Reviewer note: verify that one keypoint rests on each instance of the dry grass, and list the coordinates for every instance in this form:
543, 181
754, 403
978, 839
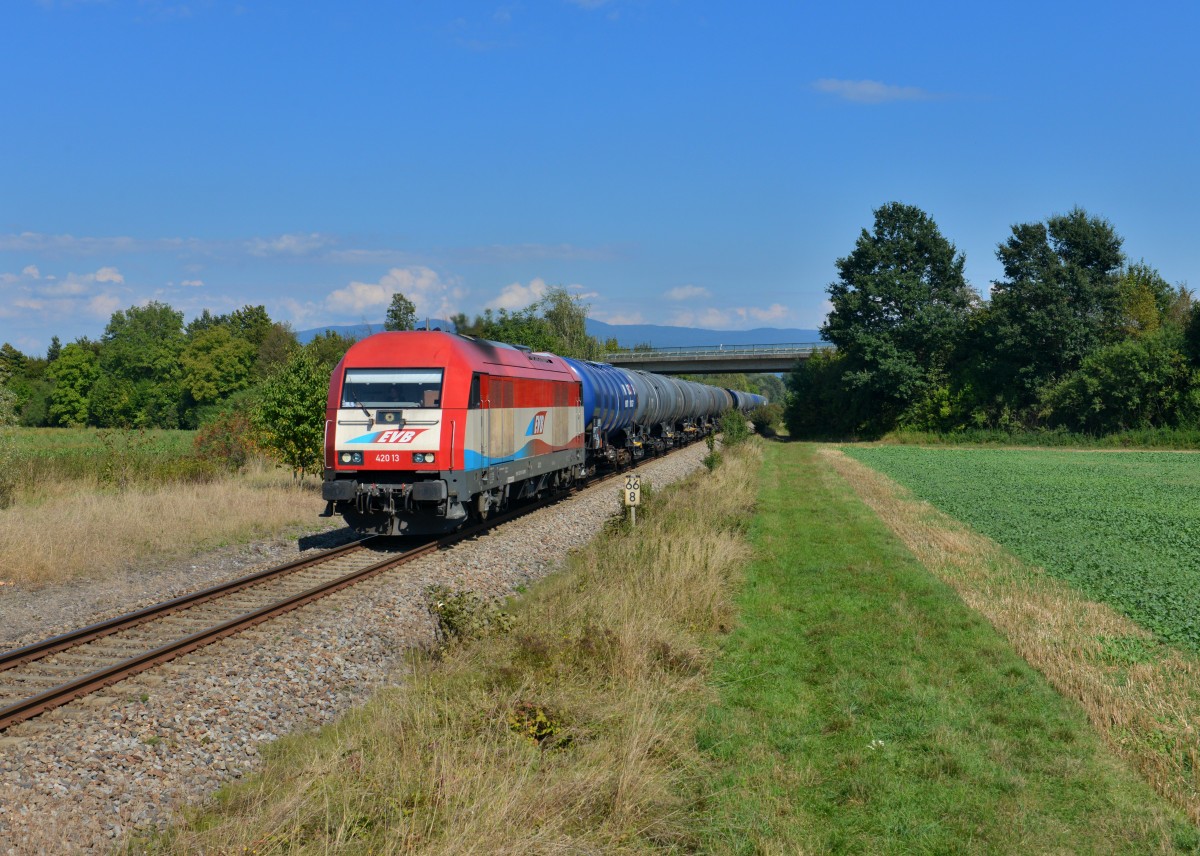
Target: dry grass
1143, 697
82, 529
572, 733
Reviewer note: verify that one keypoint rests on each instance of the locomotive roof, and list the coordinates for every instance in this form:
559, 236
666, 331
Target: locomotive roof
428, 349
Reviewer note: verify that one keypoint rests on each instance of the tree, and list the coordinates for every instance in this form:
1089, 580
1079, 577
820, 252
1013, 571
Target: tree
8, 405
557, 324
524, 327
251, 324
566, 317
1060, 301
819, 407
74, 374
770, 385
401, 314
215, 365
12, 361
329, 347
289, 416
278, 345
54, 350
139, 355
1145, 299
900, 305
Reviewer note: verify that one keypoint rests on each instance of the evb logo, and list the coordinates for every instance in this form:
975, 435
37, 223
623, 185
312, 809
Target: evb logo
537, 425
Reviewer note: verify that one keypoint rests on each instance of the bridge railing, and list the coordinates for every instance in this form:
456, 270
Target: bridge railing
719, 351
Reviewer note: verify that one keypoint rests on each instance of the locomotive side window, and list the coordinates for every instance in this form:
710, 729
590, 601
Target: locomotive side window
474, 402
392, 388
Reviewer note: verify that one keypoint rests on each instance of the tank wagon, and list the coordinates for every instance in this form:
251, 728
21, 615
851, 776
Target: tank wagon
427, 430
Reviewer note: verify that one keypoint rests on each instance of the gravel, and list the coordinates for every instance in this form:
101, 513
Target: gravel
80, 778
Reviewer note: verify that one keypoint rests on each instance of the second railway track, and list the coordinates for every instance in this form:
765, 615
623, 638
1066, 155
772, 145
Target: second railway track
40, 677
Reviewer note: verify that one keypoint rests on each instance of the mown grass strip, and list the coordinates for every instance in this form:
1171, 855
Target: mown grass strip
864, 708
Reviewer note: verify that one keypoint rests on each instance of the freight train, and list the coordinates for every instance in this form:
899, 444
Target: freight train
425, 431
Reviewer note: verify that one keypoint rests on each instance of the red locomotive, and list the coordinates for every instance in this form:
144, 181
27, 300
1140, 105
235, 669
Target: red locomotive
426, 429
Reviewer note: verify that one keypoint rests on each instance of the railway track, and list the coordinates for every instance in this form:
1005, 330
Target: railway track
48, 674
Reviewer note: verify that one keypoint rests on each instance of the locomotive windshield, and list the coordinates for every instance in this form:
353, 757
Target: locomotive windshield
392, 388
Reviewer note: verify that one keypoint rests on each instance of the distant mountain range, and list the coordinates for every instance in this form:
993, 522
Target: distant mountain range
627, 335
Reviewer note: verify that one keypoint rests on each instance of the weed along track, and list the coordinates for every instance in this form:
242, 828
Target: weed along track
45, 675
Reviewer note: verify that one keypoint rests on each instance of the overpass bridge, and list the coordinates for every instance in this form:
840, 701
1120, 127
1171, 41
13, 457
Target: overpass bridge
716, 359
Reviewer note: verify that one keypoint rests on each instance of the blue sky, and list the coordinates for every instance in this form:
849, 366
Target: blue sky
695, 163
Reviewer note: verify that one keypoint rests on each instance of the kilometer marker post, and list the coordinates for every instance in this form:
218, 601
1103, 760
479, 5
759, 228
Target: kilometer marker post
633, 496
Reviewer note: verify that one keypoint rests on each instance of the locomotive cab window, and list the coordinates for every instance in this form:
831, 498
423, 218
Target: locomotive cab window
392, 388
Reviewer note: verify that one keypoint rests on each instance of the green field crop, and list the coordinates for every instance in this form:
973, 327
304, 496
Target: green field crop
108, 456
1124, 527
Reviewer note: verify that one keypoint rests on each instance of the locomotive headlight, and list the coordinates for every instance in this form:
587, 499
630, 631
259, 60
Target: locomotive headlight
351, 457
346, 456
422, 457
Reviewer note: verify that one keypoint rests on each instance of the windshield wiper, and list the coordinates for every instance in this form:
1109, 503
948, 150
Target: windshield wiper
370, 421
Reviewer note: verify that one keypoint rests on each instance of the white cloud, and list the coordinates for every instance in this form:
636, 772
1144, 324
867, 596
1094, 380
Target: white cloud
517, 296
711, 319
736, 317
686, 292
192, 283
109, 274
301, 313
72, 286
103, 305
621, 318
31, 296
69, 244
369, 257
531, 252
870, 91
432, 296
288, 245
774, 312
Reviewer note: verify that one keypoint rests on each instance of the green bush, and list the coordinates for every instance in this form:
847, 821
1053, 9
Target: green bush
465, 615
226, 441
734, 427
1137, 383
767, 418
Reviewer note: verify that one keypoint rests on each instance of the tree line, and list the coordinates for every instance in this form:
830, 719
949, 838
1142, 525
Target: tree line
242, 378
1074, 337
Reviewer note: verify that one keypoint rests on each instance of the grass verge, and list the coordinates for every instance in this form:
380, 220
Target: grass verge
80, 529
573, 732
864, 708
